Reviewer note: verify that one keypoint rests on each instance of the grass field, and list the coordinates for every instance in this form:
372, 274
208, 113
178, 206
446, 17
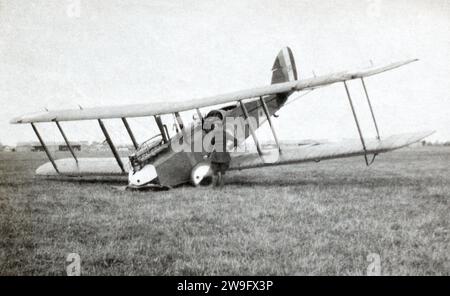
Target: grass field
310, 219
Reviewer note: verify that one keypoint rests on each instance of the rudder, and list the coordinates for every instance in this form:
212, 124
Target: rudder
284, 68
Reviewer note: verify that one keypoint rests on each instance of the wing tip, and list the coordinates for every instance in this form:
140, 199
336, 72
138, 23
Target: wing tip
16, 120
419, 136
428, 133
412, 60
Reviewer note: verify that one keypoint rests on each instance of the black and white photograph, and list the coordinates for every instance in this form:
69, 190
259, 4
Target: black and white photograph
224, 138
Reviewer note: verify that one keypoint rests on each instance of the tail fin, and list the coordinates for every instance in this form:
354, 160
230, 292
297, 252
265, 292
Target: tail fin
284, 69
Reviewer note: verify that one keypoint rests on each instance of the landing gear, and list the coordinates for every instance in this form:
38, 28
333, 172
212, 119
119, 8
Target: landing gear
202, 175
219, 180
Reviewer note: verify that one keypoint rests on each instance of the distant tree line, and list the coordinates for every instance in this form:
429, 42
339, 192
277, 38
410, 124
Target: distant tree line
435, 143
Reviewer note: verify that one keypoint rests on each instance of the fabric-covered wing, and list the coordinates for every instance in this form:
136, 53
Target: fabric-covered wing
316, 152
105, 166
167, 106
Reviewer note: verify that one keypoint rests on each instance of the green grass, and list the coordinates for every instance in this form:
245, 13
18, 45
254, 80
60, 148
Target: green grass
312, 219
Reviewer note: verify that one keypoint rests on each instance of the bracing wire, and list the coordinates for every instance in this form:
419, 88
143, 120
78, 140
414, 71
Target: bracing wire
298, 97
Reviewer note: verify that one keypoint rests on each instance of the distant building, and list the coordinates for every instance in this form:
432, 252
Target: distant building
97, 146
35, 146
8, 149
75, 147
26, 146
52, 146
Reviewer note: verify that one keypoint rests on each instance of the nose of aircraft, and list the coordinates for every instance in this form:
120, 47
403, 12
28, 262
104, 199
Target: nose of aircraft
143, 176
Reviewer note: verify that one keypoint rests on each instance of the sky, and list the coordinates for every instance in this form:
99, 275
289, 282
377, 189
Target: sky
69, 53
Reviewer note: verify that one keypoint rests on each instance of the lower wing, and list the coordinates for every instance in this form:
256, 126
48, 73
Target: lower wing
106, 166
304, 151
322, 151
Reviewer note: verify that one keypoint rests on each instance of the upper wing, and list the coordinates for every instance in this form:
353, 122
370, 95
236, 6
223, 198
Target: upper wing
324, 151
165, 107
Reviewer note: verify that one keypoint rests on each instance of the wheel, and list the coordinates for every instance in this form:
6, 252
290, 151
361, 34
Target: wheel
202, 175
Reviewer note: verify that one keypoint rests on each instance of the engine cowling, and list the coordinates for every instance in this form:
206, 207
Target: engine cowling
142, 177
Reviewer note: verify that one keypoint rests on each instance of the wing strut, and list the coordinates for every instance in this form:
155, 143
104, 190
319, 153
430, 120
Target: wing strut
266, 111
358, 127
179, 121
200, 116
130, 132
66, 140
164, 132
370, 107
111, 145
252, 131
45, 148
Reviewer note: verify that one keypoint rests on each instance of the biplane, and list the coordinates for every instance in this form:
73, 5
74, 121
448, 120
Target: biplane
155, 163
